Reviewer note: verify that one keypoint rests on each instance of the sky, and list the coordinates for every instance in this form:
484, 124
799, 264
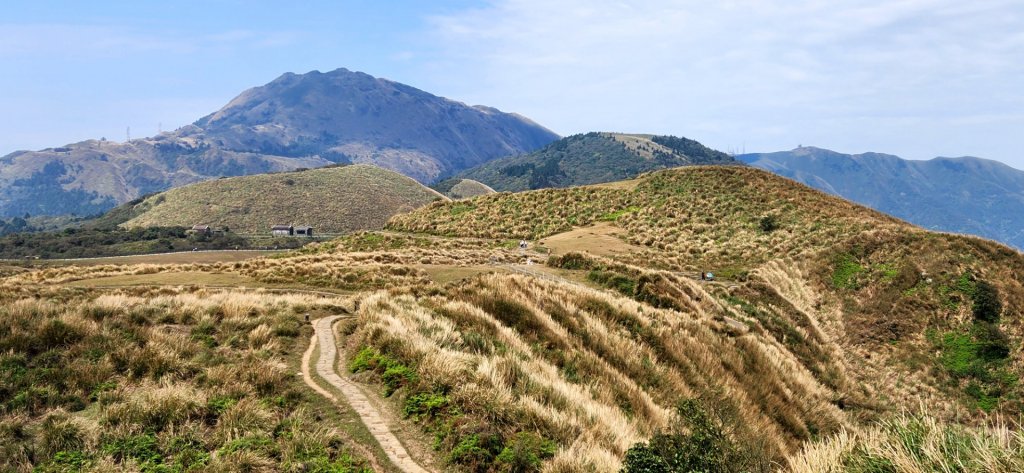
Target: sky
915, 78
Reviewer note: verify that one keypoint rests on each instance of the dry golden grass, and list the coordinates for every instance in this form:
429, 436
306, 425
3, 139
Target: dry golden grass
594, 372
915, 444
818, 329
160, 380
687, 218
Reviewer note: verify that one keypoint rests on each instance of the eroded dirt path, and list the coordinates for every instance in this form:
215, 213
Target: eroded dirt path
370, 416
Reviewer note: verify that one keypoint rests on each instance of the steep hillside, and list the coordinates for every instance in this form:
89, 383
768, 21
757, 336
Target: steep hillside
882, 314
592, 158
962, 195
462, 188
332, 200
296, 121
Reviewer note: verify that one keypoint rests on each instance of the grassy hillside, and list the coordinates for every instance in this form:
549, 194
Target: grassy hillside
882, 315
962, 195
592, 158
828, 323
186, 381
462, 188
332, 200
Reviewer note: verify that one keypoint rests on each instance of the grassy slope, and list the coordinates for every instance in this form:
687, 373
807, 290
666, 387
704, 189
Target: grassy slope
592, 158
181, 381
879, 312
332, 200
830, 316
462, 188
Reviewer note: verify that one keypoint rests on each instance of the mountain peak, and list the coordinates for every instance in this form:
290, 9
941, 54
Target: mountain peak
296, 120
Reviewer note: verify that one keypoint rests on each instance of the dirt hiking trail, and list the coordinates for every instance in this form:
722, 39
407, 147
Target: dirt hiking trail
370, 416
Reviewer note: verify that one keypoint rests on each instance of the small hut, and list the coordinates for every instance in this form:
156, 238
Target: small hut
304, 231
282, 230
202, 229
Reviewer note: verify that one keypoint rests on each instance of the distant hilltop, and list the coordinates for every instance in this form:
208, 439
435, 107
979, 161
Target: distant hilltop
332, 200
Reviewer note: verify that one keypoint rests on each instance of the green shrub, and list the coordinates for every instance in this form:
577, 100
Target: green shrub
476, 452
142, 448
424, 405
396, 376
525, 453
708, 442
365, 360
987, 306
393, 373
768, 223
66, 462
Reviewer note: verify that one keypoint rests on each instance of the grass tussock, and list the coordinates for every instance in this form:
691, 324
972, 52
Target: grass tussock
915, 444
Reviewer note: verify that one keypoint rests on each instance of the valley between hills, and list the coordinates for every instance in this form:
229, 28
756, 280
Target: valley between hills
832, 338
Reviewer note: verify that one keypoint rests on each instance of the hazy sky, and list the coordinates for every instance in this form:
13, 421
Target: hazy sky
917, 78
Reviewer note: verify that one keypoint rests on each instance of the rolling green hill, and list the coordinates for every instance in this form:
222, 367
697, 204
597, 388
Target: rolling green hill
592, 158
331, 200
462, 188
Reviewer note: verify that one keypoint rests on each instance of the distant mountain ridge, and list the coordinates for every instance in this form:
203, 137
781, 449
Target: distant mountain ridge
962, 195
295, 121
592, 158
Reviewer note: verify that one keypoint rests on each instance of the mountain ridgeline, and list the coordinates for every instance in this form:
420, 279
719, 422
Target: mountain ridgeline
296, 121
592, 158
961, 195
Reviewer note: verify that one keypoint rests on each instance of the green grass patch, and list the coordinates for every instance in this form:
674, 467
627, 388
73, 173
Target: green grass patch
845, 269
393, 373
616, 215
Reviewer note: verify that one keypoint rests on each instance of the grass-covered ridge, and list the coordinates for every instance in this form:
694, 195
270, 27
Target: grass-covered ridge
332, 200
689, 216
592, 158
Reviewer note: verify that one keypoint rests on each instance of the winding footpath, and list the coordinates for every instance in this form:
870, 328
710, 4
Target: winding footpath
370, 416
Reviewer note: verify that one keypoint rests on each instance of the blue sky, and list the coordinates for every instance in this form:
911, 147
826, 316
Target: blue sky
917, 78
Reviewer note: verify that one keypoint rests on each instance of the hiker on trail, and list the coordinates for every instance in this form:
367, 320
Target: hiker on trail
529, 262
703, 275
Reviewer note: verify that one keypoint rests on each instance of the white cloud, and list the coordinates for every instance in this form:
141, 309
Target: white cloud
768, 73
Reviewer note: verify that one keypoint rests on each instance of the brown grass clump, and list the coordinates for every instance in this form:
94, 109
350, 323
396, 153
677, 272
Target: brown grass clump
915, 444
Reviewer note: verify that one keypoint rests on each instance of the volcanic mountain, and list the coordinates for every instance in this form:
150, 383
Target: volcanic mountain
296, 121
